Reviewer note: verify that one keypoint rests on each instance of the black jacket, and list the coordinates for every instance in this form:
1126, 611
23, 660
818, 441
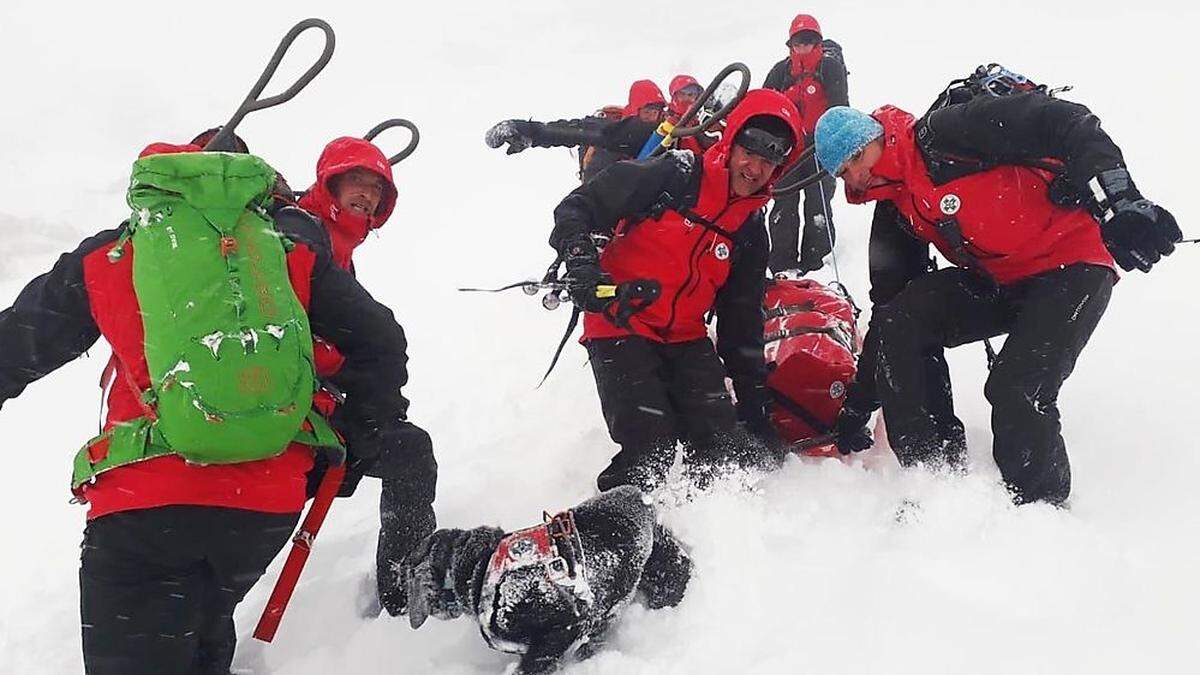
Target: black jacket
611, 140
624, 552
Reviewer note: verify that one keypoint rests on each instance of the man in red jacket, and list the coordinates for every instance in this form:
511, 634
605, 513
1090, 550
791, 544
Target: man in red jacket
171, 547
694, 225
353, 195
1031, 201
813, 76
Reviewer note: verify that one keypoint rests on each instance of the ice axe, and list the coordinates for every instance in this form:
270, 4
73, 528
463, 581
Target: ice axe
223, 140
667, 133
302, 545
392, 124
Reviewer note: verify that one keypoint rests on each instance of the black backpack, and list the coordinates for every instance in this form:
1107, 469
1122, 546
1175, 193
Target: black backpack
990, 80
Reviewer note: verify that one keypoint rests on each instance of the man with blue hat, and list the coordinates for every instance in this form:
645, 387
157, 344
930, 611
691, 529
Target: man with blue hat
1032, 203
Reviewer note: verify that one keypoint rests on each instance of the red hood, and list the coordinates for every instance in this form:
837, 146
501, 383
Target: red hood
680, 81
642, 93
804, 22
897, 156
345, 229
677, 83
756, 102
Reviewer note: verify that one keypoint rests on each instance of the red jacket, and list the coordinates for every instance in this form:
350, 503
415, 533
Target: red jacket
808, 92
1006, 217
690, 259
347, 230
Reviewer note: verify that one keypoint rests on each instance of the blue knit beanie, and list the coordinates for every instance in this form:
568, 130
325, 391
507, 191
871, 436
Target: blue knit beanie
841, 132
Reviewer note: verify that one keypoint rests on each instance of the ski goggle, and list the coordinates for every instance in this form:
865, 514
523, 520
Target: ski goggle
692, 91
804, 37
765, 144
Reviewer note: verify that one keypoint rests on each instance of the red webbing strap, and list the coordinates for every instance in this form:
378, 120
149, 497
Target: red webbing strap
301, 546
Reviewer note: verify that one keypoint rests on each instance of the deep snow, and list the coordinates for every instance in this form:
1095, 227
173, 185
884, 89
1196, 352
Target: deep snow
825, 567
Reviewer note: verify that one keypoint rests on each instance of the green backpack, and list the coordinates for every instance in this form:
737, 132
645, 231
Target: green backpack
227, 343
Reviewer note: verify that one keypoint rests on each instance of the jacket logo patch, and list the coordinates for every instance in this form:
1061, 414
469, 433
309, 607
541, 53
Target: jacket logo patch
812, 89
950, 204
721, 251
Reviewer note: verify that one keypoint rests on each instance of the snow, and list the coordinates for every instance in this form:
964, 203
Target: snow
826, 566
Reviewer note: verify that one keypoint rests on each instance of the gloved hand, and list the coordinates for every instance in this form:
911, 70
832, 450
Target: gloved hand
754, 415
584, 275
425, 580
850, 431
1137, 232
515, 133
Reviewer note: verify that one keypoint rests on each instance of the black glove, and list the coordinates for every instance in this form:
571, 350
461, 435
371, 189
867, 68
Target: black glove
850, 431
1137, 232
584, 275
513, 132
425, 580
754, 415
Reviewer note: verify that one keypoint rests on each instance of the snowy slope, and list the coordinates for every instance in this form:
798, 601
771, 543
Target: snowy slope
820, 569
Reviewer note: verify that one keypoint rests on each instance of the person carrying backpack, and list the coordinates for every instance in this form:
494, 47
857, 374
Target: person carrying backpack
1032, 203
813, 76
198, 476
692, 224
602, 139
353, 195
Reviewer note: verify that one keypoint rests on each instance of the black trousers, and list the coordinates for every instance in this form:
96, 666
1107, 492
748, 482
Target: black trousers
656, 395
158, 586
787, 251
1048, 319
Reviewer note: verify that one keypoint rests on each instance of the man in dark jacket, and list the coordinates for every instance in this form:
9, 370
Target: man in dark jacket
1031, 201
551, 592
602, 139
172, 546
813, 76
355, 194
693, 225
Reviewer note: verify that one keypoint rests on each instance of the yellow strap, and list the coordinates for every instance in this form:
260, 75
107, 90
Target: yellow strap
666, 129
606, 291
